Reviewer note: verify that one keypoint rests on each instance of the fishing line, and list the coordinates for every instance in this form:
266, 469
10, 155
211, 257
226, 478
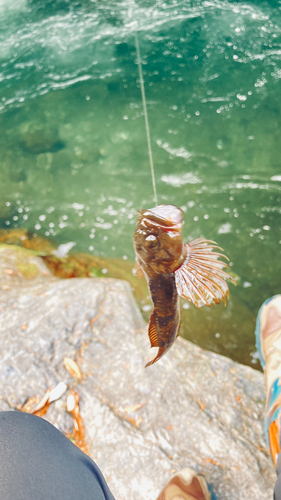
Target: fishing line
146, 119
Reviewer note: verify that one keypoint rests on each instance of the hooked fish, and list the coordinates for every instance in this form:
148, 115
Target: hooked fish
174, 269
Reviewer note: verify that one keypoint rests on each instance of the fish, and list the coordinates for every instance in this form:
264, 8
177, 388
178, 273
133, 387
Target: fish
174, 269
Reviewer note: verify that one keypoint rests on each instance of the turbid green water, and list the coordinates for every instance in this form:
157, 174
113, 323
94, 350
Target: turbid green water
74, 163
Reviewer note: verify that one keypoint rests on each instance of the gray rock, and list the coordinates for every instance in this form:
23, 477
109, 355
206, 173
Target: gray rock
199, 409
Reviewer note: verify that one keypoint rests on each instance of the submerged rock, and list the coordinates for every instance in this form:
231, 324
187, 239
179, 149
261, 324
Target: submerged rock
76, 265
191, 409
5, 211
20, 237
39, 138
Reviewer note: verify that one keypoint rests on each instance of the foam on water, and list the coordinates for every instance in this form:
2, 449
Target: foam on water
42, 44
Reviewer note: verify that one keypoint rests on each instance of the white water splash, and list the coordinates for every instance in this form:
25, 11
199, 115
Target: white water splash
181, 179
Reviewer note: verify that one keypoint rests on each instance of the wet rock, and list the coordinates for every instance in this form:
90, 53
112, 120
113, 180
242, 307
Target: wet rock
19, 267
80, 265
193, 408
24, 238
76, 265
39, 138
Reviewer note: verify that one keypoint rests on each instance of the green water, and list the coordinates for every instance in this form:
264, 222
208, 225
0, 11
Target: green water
74, 162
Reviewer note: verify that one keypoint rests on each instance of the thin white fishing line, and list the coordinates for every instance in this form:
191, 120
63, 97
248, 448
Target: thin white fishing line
146, 119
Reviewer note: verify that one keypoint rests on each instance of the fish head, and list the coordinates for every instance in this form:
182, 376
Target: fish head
158, 239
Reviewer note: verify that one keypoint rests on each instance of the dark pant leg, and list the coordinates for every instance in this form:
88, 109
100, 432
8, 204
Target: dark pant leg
277, 490
38, 462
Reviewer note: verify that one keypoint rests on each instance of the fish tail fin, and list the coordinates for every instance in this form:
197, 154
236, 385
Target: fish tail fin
160, 353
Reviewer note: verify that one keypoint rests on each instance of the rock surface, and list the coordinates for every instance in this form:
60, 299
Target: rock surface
193, 408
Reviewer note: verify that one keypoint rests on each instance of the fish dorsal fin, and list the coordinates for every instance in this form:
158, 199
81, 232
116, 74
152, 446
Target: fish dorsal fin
201, 278
153, 331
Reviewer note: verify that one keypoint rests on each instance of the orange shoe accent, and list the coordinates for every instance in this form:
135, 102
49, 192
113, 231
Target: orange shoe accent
274, 441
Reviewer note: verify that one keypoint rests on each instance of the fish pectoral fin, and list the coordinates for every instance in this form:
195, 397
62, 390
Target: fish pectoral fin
201, 278
138, 270
153, 331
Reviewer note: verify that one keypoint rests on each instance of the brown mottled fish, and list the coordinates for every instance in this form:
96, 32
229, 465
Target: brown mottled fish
174, 269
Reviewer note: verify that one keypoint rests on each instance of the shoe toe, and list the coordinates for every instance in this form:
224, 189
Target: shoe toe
186, 485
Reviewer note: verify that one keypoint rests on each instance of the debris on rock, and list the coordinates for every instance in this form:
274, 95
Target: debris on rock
72, 367
78, 433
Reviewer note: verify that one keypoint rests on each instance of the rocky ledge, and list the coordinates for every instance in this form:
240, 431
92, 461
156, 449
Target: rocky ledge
193, 408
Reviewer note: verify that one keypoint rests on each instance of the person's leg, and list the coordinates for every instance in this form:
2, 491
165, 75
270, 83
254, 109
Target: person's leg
268, 342
38, 462
277, 489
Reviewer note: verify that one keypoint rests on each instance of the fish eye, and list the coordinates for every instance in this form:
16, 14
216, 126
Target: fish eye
152, 239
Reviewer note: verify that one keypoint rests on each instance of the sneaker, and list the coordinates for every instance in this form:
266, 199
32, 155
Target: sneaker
268, 343
186, 485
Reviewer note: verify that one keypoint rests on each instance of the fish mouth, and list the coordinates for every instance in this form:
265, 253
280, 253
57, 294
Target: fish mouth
168, 217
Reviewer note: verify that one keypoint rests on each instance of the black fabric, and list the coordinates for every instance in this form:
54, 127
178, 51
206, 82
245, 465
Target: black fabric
277, 489
37, 462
